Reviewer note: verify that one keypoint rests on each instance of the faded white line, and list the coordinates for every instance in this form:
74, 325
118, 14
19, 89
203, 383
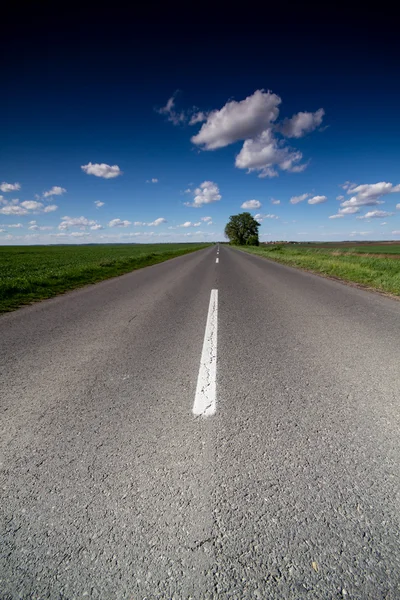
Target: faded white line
205, 399
217, 260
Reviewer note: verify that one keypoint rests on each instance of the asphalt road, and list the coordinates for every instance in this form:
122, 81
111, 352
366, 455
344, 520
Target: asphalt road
113, 489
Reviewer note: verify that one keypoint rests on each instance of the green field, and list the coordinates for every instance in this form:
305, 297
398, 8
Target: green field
379, 273
31, 273
358, 248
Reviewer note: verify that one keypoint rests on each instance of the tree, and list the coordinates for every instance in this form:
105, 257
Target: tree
242, 230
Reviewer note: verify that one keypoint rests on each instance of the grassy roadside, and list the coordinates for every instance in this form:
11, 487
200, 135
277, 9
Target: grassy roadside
379, 273
32, 273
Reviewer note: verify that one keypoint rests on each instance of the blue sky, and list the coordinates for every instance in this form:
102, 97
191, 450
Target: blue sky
150, 135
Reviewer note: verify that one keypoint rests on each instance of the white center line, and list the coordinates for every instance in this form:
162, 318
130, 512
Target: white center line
217, 260
205, 399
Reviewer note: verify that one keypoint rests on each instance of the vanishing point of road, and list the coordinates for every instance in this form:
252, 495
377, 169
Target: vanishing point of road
215, 426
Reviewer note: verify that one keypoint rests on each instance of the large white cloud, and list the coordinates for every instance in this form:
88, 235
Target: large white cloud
56, 190
10, 187
301, 123
102, 170
238, 120
207, 193
251, 204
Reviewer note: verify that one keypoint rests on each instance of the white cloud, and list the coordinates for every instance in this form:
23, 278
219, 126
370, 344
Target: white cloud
340, 198
32, 205
79, 234
15, 225
349, 210
368, 194
169, 110
157, 222
251, 204
82, 222
198, 117
260, 217
35, 227
96, 227
2, 230
119, 223
154, 180
186, 224
206, 219
9, 187
207, 193
139, 223
253, 120
238, 120
50, 208
396, 232
317, 200
265, 152
32, 222
398, 206
102, 170
12, 209
273, 201
359, 233
98, 204
376, 214
336, 216
301, 123
297, 199
56, 190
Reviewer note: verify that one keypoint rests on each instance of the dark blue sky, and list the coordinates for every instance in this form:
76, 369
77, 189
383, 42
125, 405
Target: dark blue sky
82, 88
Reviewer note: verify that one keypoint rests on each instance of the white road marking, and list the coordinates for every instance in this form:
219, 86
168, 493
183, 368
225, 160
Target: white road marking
205, 399
217, 260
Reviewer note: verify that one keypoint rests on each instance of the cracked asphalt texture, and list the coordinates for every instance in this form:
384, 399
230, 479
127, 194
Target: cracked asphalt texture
112, 489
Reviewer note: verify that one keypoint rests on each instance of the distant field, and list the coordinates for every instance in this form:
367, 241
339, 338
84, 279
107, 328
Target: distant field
30, 273
368, 248
347, 263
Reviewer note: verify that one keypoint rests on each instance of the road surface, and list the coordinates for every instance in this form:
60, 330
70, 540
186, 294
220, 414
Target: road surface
202, 429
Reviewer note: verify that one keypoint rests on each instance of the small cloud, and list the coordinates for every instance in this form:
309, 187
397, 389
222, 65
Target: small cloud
102, 170
32, 205
119, 223
297, 199
301, 123
169, 110
99, 204
50, 208
96, 227
376, 214
340, 198
157, 222
10, 187
154, 180
251, 204
317, 200
336, 216
273, 201
81, 222
56, 190
206, 219
207, 193
15, 225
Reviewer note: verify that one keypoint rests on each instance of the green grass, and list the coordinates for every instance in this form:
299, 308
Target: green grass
31, 273
358, 248
379, 273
